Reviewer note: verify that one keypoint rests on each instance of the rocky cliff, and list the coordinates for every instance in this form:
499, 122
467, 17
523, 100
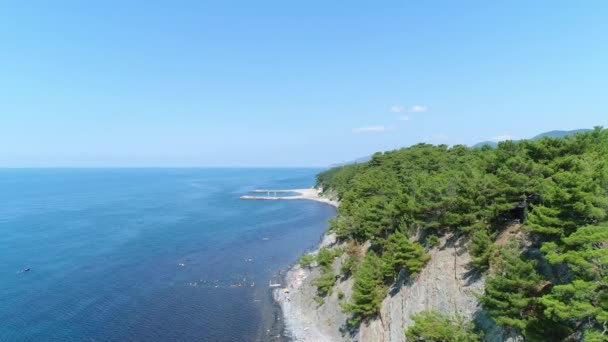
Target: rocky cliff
447, 284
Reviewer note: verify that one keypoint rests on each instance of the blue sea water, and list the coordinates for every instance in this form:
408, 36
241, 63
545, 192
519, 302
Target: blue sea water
105, 247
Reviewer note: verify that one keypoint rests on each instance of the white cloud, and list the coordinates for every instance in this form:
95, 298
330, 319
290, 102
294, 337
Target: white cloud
503, 138
418, 109
404, 118
396, 109
371, 129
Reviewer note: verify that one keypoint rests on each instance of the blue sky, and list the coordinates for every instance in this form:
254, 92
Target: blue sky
286, 83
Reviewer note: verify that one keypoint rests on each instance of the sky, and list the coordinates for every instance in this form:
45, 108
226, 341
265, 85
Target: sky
289, 83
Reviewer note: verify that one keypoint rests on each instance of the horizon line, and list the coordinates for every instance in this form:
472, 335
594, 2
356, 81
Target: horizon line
164, 167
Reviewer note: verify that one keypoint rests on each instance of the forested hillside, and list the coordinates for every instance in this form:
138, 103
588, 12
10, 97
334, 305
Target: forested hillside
550, 285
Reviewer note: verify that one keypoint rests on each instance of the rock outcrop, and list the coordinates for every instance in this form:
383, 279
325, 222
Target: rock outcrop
447, 284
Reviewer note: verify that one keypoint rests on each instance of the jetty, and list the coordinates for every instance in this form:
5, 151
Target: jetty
270, 284
311, 194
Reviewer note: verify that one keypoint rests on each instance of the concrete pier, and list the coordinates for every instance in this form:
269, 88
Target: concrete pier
311, 194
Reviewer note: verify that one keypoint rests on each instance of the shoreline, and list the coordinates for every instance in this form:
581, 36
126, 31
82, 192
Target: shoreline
299, 321
295, 319
310, 194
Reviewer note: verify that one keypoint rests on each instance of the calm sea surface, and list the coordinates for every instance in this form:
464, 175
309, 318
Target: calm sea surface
146, 254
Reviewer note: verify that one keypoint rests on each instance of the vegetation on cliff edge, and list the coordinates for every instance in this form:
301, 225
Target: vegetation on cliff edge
555, 287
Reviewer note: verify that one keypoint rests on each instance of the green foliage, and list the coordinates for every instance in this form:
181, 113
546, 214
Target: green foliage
340, 295
325, 283
325, 257
437, 327
577, 300
507, 291
337, 178
557, 188
594, 336
586, 297
349, 265
400, 252
481, 249
368, 290
306, 260
432, 241
327, 279
584, 252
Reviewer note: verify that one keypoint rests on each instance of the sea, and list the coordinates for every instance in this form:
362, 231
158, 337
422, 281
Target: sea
149, 254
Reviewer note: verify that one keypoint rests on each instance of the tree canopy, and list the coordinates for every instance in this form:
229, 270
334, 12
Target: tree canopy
557, 188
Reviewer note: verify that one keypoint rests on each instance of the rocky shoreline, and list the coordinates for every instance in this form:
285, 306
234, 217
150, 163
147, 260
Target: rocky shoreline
290, 315
297, 304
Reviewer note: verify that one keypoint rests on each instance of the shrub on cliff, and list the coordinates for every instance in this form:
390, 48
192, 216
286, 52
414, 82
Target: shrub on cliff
326, 257
306, 260
325, 283
481, 249
368, 290
437, 327
509, 290
399, 253
349, 265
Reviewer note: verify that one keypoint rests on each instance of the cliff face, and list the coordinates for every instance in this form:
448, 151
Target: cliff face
446, 284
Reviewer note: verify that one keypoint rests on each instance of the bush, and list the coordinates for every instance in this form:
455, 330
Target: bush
349, 265
306, 260
435, 326
510, 290
399, 253
324, 283
325, 257
368, 290
432, 241
481, 249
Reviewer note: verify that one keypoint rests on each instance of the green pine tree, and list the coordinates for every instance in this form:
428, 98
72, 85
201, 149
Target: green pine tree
434, 326
509, 289
400, 252
368, 290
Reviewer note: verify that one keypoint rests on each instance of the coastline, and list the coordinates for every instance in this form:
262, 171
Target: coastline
296, 318
298, 309
310, 194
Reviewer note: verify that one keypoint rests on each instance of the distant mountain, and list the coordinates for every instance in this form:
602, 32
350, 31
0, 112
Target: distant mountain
551, 134
560, 134
489, 143
356, 161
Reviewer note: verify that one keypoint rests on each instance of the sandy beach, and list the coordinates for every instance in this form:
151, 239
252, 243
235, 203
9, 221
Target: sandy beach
310, 194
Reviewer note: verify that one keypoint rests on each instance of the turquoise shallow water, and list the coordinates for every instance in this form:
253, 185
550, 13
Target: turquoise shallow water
105, 247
